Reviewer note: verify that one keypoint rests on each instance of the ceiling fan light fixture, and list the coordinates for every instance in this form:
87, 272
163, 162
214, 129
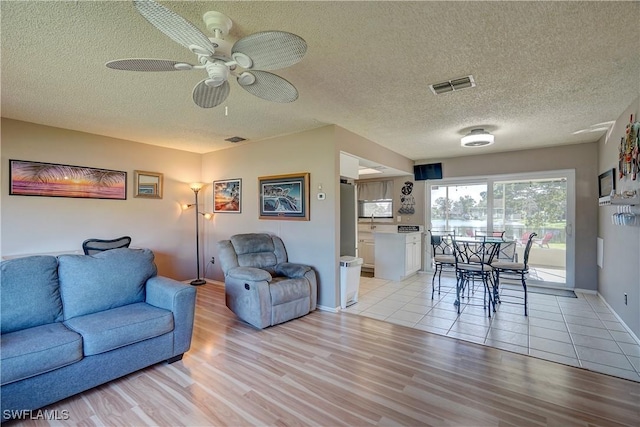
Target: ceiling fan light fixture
246, 79
183, 66
218, 73
477, 138
242, 60
200, 50
213, 82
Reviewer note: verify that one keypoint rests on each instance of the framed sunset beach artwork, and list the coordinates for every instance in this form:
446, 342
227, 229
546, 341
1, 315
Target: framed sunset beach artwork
29, 178
227, 196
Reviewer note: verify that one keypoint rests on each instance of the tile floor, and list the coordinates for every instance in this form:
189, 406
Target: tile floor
579, 331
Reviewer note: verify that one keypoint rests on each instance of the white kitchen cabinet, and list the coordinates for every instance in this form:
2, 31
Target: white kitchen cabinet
413, 254
366, 250
397, 255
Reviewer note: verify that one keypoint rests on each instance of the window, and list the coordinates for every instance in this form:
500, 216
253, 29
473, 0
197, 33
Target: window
375, 199
375, 208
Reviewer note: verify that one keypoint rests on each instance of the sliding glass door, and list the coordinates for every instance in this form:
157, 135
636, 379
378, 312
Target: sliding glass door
541, 203
537, 205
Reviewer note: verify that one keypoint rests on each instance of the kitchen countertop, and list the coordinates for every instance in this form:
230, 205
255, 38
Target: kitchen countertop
386, 228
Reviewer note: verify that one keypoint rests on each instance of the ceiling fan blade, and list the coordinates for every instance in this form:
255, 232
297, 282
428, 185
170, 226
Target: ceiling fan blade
137, 64
206, 96
269, 86
270, 50
174, 26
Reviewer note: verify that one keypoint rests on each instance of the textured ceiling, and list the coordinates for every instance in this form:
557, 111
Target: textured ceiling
543, 70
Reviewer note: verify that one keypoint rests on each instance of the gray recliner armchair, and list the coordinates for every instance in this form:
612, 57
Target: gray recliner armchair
261, 287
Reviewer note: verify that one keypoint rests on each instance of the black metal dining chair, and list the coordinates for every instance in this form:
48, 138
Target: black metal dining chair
441, 254
515, 269
473, 259
506, 252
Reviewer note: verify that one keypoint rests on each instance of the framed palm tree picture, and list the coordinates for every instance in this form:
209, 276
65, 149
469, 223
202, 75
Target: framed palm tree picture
29, 178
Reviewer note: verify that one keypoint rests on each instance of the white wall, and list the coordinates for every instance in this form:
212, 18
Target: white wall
620, 273
33, 224
313, 242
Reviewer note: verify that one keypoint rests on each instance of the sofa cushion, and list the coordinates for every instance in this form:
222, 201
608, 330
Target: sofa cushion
118, 327
113, 278
36, 350
30, 293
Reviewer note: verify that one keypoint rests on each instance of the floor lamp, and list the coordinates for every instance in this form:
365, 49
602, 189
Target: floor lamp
196, 186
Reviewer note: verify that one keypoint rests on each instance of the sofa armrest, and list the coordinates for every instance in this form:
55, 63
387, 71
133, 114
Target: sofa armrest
290, 269
178, 298
249, 273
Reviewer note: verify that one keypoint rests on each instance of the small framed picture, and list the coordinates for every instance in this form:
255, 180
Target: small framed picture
227, 196
607, 183
284, 196
148, 185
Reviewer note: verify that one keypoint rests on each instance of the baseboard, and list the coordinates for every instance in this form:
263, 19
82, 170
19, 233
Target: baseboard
585, 291
629, 331
329, 309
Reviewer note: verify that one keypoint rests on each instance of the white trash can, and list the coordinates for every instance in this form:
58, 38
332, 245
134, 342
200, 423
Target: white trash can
349, 280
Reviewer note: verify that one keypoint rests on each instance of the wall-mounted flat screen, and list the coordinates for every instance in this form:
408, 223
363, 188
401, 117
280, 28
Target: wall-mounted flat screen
427, 171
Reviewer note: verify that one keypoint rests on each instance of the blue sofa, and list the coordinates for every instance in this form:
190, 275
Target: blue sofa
73, 322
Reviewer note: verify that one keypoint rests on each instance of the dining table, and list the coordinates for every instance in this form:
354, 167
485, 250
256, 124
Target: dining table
474, 255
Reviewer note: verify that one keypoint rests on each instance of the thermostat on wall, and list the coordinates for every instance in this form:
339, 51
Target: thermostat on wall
321, 196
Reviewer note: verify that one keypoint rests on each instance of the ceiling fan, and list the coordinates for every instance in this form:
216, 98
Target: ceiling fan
247, 59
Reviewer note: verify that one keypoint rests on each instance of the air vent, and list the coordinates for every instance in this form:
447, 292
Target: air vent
235, 139
452, 85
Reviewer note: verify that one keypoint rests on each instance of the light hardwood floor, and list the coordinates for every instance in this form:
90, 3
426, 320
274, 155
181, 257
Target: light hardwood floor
329, 369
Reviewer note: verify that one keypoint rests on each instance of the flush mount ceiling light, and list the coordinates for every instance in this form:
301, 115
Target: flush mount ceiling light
477, 138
